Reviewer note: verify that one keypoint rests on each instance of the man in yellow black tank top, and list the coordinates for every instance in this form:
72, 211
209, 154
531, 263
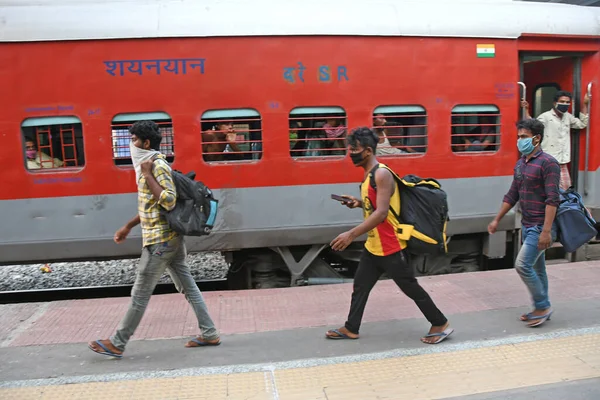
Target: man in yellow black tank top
384, 247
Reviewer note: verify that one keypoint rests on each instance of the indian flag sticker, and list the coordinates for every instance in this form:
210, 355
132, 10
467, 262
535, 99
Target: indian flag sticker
486, 50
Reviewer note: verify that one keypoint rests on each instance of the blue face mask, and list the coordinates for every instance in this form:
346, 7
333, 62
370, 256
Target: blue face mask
525, 146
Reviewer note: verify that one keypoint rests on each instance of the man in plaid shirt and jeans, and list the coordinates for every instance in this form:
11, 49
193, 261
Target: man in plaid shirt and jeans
535, 186
163, 248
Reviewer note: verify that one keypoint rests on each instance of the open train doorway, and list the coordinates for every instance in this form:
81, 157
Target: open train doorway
544, 75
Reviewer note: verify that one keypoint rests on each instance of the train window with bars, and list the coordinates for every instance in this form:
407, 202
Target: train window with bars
475, 128
317, 132
231, 135
53, 142
401, 130
121, 136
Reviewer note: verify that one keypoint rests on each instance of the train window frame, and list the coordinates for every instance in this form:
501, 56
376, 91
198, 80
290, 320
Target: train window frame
247, 119
67, 124
121, 123
475, 110
318, 115
399, 111
535, 101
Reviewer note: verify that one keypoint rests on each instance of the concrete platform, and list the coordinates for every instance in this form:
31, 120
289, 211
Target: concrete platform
274, 346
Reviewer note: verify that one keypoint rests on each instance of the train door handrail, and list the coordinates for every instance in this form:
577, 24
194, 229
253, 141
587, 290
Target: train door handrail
587, 141
524, 97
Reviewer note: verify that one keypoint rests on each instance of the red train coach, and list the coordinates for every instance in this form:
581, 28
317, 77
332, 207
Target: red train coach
280, 81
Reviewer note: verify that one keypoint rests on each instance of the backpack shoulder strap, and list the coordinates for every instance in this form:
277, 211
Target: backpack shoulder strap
155, 159
373, 184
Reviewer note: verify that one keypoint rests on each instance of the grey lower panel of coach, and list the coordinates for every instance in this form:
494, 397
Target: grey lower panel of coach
83, 227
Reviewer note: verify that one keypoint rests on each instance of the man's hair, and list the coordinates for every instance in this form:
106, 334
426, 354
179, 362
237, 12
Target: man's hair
363, 136
147, 130
532, 125
562, 93
29, 139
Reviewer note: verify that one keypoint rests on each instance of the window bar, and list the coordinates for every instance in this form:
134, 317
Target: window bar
39, 132
68, 129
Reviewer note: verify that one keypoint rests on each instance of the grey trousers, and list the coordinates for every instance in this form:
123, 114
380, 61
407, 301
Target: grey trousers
155, 259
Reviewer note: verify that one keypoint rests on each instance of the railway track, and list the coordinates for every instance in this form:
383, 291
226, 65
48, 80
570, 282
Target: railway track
94, 292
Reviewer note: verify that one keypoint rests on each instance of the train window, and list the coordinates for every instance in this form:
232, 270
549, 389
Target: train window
475, 128
317, 131
543, 98
401, 129
121, 136
53, 142
231, 135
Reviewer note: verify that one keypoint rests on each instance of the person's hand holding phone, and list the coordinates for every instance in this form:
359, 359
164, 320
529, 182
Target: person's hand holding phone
348, 201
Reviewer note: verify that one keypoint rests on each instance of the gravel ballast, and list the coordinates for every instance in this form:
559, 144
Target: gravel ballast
204, 266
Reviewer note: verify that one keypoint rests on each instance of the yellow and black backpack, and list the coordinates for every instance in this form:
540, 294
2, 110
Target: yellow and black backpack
423, 212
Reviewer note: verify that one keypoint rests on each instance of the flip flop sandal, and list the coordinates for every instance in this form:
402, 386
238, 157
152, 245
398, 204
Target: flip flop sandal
202, 343
529, 317
441, 336
106, 351
340, 335
539, 320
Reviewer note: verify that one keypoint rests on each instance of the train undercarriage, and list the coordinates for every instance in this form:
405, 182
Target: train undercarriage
278, 267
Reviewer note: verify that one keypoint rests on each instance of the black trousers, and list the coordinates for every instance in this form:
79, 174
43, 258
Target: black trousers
370, 268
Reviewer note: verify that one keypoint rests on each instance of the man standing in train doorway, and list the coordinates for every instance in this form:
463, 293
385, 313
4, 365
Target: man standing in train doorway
558, 123
384, 250
535, 186
163, 249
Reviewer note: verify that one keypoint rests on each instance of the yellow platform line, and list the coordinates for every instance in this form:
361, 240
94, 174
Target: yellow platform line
428, 376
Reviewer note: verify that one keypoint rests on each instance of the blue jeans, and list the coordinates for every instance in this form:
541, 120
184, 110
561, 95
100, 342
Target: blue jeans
531, 265
157, 258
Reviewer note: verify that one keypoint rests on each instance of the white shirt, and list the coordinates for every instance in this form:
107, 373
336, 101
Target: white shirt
48, 162
557, 133
385, 148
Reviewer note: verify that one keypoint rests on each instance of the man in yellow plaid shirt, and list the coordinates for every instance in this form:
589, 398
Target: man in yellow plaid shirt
163, 248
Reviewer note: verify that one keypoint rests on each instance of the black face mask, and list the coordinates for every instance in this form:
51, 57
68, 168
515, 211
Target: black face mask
563, 108
357, 158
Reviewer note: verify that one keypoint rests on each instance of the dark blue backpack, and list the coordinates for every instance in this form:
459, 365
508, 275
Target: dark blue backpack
575, 223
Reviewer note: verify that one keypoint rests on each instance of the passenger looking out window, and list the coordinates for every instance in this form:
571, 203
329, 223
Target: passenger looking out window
485, 134
38, 159
384, 147
317, 132
220, 143
53, 142
475, 128
401, 129
231, 135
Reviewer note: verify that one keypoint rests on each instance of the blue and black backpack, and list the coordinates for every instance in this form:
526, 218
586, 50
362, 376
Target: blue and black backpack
196, 208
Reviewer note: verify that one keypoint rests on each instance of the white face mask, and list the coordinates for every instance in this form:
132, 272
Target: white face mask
138, 156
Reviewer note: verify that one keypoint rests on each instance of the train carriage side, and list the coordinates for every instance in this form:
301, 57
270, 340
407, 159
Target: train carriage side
276, 216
